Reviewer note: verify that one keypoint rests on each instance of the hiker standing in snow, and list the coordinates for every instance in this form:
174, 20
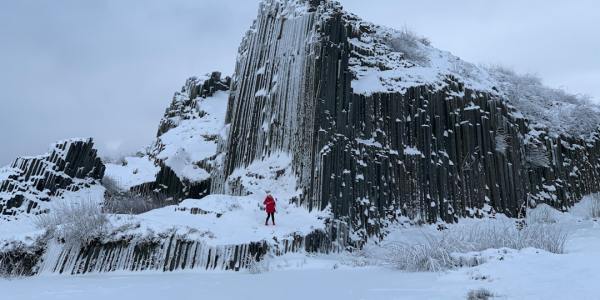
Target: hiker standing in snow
270, 208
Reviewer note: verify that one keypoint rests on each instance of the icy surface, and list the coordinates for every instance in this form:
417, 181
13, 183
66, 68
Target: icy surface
134, 171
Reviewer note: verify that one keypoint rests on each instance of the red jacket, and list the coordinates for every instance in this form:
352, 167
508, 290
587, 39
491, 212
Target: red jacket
269, 204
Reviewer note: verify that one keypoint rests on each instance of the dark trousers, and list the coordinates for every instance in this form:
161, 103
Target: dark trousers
272, 216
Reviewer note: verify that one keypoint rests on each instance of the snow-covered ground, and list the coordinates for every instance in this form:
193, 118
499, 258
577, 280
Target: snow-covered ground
526, 274
226, 220
508, 274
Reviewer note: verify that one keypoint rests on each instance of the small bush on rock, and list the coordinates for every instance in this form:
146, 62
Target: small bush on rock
19, 260
74, 222
479, 294
408, 43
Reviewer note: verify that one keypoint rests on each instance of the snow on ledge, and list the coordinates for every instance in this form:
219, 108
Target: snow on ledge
228, 220
135, 171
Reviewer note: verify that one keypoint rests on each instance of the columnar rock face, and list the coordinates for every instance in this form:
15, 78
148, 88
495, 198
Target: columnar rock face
170, 253
380, 124
31, 181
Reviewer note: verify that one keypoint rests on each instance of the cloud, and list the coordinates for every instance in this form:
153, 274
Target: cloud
108, 69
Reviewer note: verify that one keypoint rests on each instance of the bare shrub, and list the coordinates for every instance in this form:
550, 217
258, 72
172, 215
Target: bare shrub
409, 44
434, 255
543, 213
111, 185
74, 222
258, 266
19, 260
594, 206
442, 251
425, 41
543, 104
133, 202
551, 238
479, 294
119, 201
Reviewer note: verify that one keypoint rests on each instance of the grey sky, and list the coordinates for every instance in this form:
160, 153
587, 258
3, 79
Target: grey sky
108, 69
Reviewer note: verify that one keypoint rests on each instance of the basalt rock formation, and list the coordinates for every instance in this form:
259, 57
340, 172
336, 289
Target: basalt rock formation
335, 114
168, 253
186, 141
381, 124
30, 182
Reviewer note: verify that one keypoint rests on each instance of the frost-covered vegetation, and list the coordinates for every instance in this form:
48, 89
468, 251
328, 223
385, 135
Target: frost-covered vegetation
444, 250
594, 206
555, 109
255, 266
74, 222
408, 43
402, 59
543, 214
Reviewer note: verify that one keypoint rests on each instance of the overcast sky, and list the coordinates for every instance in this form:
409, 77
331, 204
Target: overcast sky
108, 69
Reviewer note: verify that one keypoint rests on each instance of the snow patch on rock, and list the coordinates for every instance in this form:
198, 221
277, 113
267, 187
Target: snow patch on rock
194, 140
134, 171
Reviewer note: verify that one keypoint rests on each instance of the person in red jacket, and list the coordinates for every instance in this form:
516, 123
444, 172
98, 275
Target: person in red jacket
270, 208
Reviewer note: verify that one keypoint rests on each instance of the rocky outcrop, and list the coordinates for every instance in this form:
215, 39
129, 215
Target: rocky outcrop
186, 143
170, 252
185, 103
30, 182
377, 131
